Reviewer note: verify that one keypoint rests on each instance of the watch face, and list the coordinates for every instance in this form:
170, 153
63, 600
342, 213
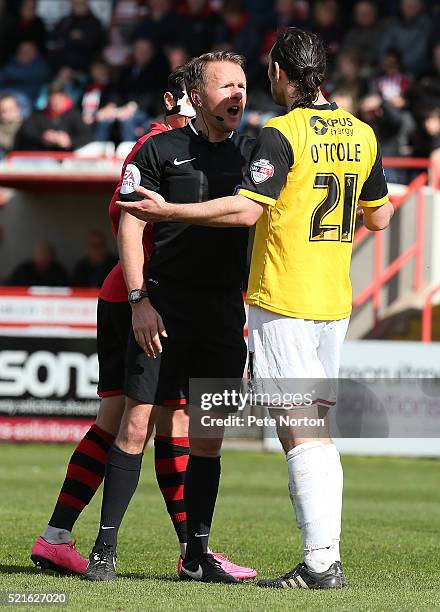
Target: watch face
135, 295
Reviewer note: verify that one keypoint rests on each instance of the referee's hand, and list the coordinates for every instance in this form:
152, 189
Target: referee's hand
148, 327
152, 207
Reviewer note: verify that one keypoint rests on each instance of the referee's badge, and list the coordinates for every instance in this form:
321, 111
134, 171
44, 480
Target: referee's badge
261, 170
132, 179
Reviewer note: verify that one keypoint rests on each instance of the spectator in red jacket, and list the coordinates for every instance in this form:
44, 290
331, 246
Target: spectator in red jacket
59, 127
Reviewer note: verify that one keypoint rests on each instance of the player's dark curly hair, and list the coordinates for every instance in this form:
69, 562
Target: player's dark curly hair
176, 80
302, 56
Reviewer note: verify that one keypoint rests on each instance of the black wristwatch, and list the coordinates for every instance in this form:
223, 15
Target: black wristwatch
136, 295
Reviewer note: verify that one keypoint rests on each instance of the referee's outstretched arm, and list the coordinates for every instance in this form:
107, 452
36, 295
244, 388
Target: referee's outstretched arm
230, 211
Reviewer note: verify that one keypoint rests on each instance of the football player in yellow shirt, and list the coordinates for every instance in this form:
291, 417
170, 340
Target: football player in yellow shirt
309, 171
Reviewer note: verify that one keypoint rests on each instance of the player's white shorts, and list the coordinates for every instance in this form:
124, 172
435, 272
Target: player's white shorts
285, 348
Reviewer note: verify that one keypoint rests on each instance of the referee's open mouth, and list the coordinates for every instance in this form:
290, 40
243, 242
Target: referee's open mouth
233, 110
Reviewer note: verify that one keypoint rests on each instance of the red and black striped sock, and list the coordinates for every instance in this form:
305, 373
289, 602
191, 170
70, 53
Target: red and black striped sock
171, 457
85, 473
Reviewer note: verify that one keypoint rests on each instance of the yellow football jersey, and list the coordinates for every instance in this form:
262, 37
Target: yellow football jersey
311, 167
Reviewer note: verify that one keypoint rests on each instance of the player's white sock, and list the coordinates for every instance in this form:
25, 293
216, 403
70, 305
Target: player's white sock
310, 495
336, 481
54, 535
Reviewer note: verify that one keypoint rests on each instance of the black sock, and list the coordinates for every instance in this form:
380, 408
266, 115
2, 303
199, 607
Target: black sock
201, 488
120, 482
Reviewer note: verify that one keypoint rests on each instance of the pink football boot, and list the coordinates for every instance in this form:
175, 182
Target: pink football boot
238, 571
63, 558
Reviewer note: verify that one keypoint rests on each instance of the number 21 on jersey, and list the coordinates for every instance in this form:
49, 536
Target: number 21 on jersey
335, 194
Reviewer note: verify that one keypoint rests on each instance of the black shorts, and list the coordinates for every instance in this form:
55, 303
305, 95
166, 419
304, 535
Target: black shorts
205, 340
113, 328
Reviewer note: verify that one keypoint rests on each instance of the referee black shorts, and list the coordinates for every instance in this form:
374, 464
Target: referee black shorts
113, 328
205, 340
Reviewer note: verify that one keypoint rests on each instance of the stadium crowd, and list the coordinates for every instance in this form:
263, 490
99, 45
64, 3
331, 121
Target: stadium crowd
83, 76
43, 269
84, 80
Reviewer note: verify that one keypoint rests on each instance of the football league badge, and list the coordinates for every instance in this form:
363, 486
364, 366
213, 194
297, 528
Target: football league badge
261, 170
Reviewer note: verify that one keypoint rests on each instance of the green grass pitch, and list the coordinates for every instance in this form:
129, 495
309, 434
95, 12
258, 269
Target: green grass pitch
390, 547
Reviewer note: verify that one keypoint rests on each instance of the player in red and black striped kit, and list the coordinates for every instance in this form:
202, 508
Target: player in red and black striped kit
54, 548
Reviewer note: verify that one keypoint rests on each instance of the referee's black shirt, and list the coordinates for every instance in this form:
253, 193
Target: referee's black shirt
183, 166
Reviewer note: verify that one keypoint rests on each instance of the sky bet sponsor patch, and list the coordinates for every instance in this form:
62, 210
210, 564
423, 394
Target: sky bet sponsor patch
261, 170
132, 179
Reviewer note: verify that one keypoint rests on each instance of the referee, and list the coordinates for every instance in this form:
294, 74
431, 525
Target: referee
194, 281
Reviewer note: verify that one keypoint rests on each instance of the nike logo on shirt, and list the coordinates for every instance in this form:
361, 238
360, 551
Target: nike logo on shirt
179, 162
